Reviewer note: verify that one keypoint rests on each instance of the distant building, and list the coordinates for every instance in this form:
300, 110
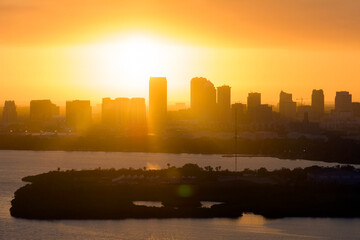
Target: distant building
356, 109
262, 113
238, 112
78, 114
304, 111
203, 99
343, 106
42, 111
317, 103
287, 107
137, 113
253, 101
115, 112
157, 104
224, 102
253, 105
124, 113
109, 112
343, 102
9, 113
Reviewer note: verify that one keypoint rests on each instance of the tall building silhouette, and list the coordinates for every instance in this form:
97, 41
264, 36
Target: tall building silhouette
224, 102
203, 99
109, 112
124, 113
343, 102
253, 105
157, 104
253, 101
78, 114
9, 112
107, 108
356, 109
238, 112
317, 103
137, 117
42, 111
287, 107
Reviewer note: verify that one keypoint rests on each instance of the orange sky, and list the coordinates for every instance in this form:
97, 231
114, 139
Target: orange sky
74, 49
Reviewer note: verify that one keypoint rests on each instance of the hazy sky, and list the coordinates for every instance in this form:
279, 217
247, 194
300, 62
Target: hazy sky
66, 49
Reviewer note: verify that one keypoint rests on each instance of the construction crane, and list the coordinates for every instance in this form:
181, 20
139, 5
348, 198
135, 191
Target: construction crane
301, 100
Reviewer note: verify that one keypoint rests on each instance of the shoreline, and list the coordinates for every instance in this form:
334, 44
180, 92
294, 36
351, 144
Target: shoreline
186, 153
337, 149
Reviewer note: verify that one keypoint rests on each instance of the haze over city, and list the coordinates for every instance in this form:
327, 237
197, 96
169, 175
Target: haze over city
91, 50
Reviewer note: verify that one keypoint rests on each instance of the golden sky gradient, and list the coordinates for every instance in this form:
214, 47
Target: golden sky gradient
91, 49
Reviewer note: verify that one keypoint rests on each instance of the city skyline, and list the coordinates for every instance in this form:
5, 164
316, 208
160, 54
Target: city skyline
209, 104
173, 99
187, 103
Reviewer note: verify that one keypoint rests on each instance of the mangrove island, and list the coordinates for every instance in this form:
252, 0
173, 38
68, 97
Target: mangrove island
112, 194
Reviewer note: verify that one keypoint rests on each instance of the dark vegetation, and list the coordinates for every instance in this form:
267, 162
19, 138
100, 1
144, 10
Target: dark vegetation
335, 149
109, 194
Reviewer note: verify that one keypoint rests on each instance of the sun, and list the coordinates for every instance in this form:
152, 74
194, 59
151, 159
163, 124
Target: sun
128, 62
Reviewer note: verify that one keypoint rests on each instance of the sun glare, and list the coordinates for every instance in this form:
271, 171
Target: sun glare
128, 62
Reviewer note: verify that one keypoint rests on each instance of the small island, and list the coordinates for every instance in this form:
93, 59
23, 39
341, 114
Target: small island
112, 194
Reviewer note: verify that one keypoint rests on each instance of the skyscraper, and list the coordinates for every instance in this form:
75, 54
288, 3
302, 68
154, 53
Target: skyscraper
157, 104
287, 107
317, 103
137, 113
238, 112
78, 114
9, 112
42, 110
356, 109
343, 102
224, 102
109, 112
124, 113
253, 101
203, 99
